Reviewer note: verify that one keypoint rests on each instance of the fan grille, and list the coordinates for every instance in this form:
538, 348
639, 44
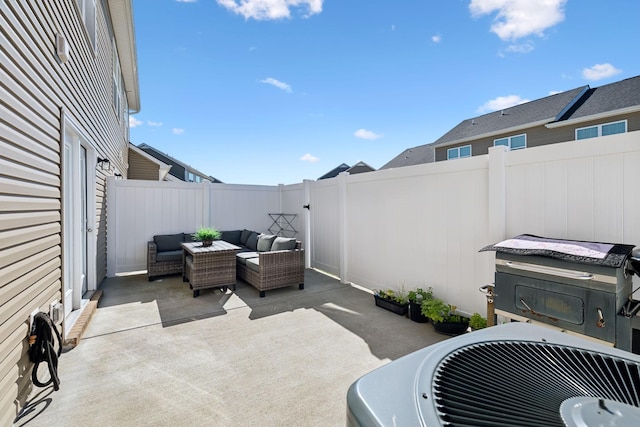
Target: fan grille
524, 383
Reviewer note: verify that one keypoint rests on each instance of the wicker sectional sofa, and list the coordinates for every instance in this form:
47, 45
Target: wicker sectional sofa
264, 261
267, 262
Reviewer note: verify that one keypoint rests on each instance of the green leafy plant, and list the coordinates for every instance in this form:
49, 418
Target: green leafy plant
397, 295
420, 295
439, 311
207, 234
477, 321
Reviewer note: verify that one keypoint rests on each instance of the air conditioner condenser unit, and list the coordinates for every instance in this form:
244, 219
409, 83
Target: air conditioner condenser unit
515, 374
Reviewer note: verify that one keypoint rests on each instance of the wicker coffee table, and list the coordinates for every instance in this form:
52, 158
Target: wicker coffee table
209, 267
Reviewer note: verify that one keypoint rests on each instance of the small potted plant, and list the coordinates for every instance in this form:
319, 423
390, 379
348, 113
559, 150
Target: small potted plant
477, 322
392, 300
444, 317
416, 298
207, 235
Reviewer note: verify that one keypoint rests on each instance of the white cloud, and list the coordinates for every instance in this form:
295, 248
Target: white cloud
520, 48
436, 38
309, 158
500, 103
280, 85
186, 1
366, 134
600, 71
271, 9
177, 131
554, 92
154, 124
520, 18
133, 122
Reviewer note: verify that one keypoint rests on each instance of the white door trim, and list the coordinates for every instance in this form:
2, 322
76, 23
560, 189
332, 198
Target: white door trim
71, 192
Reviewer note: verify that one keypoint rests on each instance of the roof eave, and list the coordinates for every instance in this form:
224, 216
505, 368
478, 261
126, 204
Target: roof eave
599, 116
121, 12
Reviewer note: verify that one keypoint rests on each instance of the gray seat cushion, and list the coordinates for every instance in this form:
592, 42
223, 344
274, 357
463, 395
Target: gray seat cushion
264, 242
168, 242
253, 264
283, 244
242, 257
169, 256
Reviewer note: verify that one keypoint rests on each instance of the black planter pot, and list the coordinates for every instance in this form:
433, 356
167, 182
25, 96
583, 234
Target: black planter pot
415, 313
391, 305
451, 328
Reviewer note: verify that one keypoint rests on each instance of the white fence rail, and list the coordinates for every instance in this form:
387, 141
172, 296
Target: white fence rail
418, 226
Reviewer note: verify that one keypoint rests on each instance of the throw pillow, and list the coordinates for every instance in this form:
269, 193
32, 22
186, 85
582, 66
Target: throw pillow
252, 241
264, 242
244, 235
283, 244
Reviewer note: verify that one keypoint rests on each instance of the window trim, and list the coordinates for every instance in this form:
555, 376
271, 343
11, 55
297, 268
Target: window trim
509, 138
91, 31
117, 82
457, 149
599, 128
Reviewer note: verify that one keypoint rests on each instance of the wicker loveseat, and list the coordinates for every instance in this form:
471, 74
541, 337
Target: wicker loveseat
267, 262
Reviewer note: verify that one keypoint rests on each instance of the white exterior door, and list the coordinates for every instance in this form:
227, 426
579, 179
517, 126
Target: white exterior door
78, 196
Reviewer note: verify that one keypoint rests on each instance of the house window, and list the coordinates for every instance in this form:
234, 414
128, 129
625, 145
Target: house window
88, 15
116, 81
601, 130
513, 142
459, 152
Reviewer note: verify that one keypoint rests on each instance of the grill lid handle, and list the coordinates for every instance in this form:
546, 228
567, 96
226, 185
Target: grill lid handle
571, 274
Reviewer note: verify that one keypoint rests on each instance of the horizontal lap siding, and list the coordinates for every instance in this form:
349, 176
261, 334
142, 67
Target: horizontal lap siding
142, 168
35, 91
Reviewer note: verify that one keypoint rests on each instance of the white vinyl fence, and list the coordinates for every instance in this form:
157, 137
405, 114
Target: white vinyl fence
415, 226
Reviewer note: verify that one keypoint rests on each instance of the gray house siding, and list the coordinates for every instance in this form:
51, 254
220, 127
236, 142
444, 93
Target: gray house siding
40, 97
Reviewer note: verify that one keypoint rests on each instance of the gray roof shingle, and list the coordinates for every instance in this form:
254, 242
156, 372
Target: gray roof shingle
412, 156
548, 109
611, 97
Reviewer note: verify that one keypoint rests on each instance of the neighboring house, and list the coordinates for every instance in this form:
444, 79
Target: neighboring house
144, 166
579, 113
360, 167
179, 170
69, 82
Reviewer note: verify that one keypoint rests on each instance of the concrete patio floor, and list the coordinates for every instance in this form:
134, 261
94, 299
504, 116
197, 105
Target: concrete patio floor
154, 355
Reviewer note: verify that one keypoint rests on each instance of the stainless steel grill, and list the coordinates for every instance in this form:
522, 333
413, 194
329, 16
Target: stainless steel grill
582, 298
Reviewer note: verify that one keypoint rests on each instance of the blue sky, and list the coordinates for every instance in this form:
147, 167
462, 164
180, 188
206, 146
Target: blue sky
277, 91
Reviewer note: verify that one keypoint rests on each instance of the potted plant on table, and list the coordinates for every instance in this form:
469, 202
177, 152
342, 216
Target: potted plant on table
207, 235
416, 298
392, 300
444, 317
